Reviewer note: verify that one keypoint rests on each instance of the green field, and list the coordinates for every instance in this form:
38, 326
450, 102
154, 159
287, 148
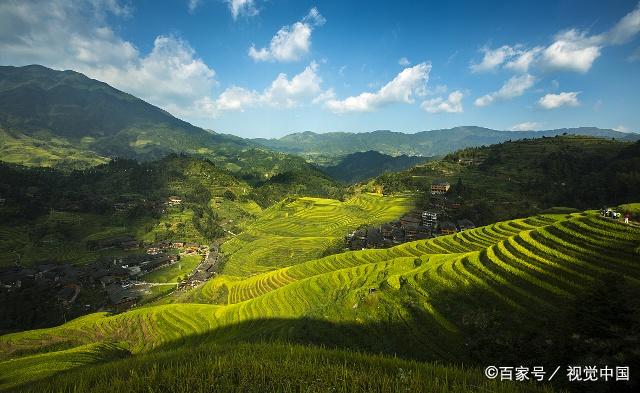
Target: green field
50, 151
175, 272
416, 299
291, 232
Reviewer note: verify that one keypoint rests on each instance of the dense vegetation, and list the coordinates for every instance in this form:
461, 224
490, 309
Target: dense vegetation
528, 176
361, 166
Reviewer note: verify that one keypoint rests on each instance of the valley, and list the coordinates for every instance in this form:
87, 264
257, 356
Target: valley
141, 253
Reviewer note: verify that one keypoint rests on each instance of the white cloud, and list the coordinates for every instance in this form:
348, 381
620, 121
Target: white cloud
290, 43
625, 29
622, 128
282, 93
241, 8
552, 101
493, 58
453, 103
409, 82
403, 61
572, 50
236, 99
526, 126
75, 35
523, 60
193, 4
514, 87
635, 56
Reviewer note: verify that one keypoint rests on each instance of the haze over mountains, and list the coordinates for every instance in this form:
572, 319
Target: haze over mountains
424, 143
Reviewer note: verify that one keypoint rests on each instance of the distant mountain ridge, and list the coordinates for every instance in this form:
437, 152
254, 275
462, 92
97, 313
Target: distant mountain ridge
424, 143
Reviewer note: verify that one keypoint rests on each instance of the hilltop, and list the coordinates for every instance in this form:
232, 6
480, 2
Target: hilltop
323, 148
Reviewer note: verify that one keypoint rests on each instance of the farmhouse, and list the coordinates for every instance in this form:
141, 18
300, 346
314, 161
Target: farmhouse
429, 218
440, 188
447, 228
174, 201
409, 220
465, 224
122, 297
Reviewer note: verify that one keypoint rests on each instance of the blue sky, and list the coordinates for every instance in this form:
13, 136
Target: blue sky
267, 68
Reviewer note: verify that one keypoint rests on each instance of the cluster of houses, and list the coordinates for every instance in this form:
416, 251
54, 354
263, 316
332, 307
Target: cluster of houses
117, 278
413, 226
129, 243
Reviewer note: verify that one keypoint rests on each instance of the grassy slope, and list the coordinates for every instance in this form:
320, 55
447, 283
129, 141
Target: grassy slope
292, 232
51, 152
525, 267
269, 368
175, 272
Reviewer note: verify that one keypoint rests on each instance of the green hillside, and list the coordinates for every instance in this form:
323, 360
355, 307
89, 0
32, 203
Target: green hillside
325, 147
523, 177
297, 230
70, 109
259, 368
492, 295
361, 166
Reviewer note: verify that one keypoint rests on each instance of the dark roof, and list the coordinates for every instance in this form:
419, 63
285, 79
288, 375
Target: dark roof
446, 225
465, 223
118, 295
374, 235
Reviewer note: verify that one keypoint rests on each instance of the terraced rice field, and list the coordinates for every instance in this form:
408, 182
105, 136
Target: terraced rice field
530, 265
293, 232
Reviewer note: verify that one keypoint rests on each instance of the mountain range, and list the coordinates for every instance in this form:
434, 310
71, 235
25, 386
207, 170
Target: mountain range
316, 146
66, 120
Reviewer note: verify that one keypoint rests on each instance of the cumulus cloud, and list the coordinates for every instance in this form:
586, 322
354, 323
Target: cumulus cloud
240, 8
290, 43
282, 93
74, 35
409, 82
452, 104
552, 101
571, 50
403, 61
493, 58
514, 87
526, 126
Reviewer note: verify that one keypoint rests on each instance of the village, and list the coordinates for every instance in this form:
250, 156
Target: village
416, 225
112, 282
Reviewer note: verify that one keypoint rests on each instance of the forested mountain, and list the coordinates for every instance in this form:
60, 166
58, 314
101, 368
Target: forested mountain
426, 143
364, 165
43, 111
